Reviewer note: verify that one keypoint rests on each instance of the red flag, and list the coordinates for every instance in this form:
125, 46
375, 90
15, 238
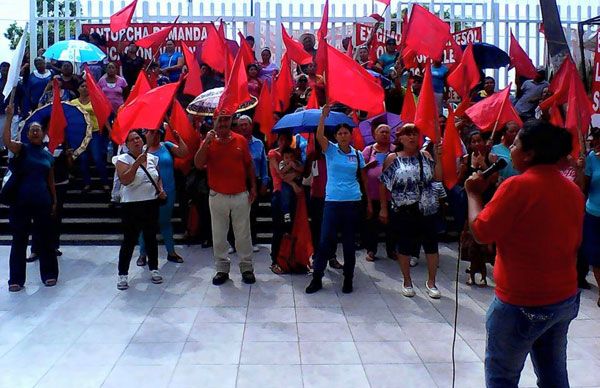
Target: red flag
427, 115
312, 102
520, 60
122, 19
58, 122
409, 107
465, 75
321, 57
264, 113
494, 111
180, 122
214, 50
350, 50
142, 86
283, 86
462, 107
146, 111
236, 89
193, 83
556, 117
221, 30
323, 30
100, 103
303, 247
357, 139
246, 50
156, 39
458, 54
426, 33
559, 87
579, 113
294, 49
365, 94
310, 147
452, 151
386, 2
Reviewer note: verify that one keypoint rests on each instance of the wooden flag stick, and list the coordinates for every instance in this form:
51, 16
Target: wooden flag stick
498, 118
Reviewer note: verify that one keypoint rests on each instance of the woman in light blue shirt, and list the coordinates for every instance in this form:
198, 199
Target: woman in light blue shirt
591, 222
345, 170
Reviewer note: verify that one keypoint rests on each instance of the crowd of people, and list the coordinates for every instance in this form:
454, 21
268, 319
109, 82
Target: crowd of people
390, 190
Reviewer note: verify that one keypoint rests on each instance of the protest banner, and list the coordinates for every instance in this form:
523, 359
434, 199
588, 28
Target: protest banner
362, 32
596, 85
190, 33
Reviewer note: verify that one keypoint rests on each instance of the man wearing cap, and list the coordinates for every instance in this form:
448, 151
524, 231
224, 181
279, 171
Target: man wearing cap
531, 94
232, 183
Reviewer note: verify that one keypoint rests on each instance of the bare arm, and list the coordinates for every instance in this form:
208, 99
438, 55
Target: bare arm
321, 138
126, 172
383, 191
202, 155
180, 149
13, 146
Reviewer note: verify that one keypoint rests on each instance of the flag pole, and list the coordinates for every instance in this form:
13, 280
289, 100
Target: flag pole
498, 117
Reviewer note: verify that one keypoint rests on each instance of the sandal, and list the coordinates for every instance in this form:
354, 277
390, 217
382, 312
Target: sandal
15, 288
175, 258
276, 269
141, 261
370, 256
50, 283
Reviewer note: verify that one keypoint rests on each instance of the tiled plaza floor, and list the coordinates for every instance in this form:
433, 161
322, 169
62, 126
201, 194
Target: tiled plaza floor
189, 333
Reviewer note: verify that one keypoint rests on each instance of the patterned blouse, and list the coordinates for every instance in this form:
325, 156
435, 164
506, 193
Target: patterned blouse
403, 179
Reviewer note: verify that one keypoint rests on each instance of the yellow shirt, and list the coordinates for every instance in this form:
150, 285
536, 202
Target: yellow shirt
90, 110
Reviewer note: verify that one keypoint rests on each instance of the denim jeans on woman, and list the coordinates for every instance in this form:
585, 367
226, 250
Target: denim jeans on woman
513, 332
338, 216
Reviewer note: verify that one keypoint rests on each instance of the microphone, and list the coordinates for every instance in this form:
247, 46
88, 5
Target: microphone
495, 167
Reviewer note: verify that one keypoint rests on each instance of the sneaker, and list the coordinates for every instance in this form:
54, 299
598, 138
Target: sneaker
335, 264
414, 261
141, 261
315, 285
248, 277
231, 250
58, 252
122, 283
287, 218
409, 291
433, 292
155, 277
220, 278
255, 248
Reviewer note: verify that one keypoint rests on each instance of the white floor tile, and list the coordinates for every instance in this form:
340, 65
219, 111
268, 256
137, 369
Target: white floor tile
270, 353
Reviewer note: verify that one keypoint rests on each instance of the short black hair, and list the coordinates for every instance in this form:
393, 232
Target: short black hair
288, 150
250, 38
344, 125
548, 142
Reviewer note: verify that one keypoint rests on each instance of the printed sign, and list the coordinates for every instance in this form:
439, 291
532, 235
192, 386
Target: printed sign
362, 32
596, 85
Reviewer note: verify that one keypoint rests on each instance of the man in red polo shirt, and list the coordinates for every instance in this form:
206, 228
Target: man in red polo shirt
232, 183
536, 221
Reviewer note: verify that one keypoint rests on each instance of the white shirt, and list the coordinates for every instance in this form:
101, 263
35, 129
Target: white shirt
140, 189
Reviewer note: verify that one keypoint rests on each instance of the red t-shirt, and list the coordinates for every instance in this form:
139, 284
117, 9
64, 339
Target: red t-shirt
275, 155
227, 165
536, 221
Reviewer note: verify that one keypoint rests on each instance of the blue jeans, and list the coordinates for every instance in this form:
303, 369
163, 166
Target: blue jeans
513, 332
97, 148
338, 217
165, 213
288, 198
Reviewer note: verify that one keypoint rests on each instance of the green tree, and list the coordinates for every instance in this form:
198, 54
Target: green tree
13, 33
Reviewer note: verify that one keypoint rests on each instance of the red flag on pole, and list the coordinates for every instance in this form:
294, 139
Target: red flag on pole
264, 113
312, 102
283, 86
246, 50
494, 111
179, 121
350, 50
386, 2
236, 89
323, 30
427, 115
141, 86
321, 57
146, 111
409, 107
157, 38
214, 50
452, 152
426, 34
579, 113
556, 117
559, 87
193, 83
465, 76
294, 49
520, 60
100, 103
122, 19
365, 94
58, 121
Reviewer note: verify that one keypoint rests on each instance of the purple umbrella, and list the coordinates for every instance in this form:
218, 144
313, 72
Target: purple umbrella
391, 119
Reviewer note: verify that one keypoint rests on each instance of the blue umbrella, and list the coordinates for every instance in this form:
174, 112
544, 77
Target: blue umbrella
76, 51
78, 132
308, 120
489, 56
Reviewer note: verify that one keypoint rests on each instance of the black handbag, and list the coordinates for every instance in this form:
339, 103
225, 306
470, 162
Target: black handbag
10, 189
